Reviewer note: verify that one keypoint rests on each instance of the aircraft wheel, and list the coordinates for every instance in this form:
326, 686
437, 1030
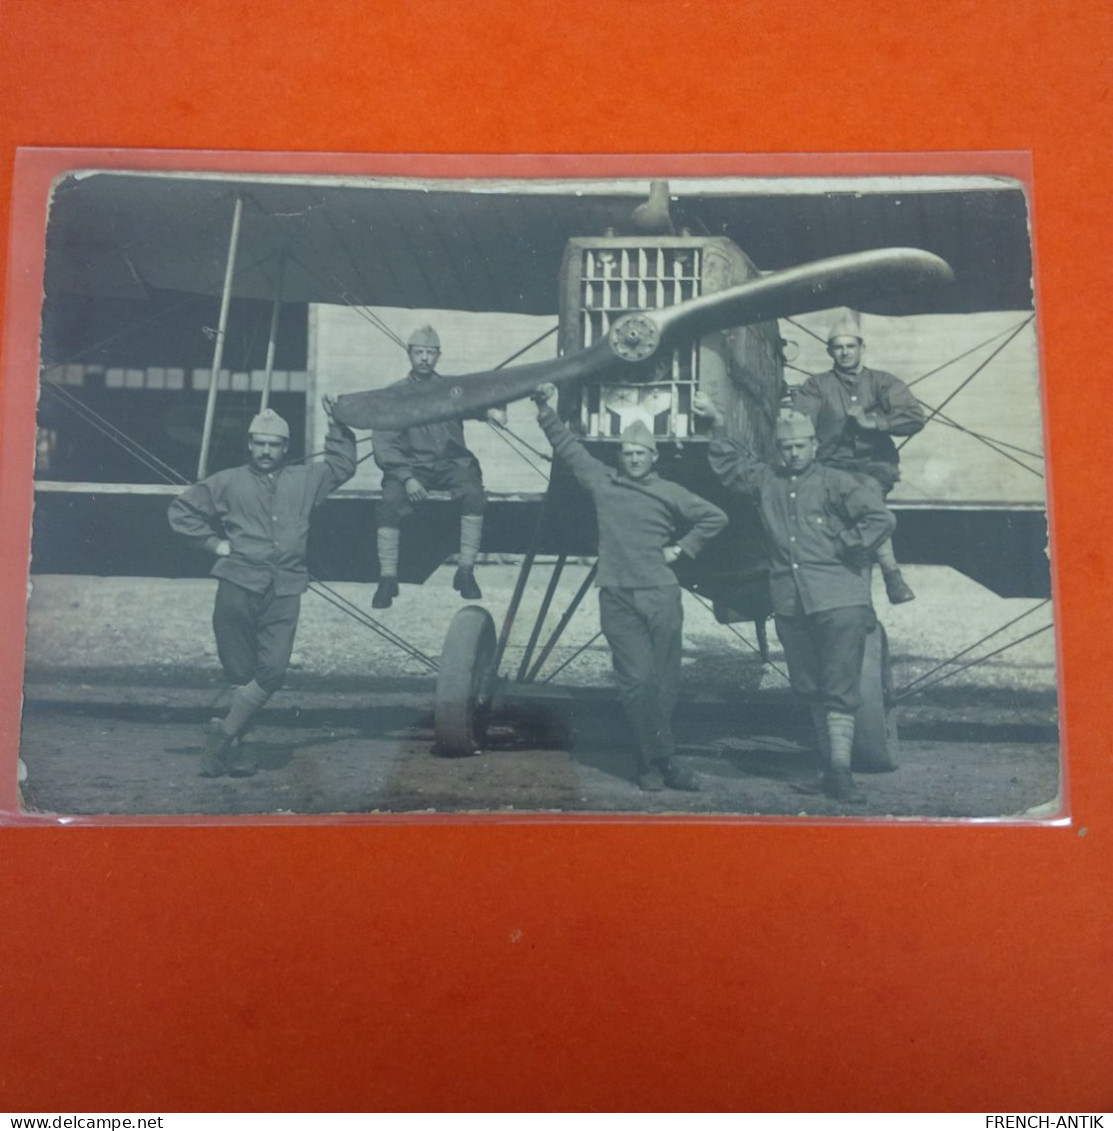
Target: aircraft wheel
463, 697
875, 725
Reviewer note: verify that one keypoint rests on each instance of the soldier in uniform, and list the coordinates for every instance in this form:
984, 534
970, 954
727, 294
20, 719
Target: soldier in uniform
857, 411
821, 526
646, 524
427, 457
255, 520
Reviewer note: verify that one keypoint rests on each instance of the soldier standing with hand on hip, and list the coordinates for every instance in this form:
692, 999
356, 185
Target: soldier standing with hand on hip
821, 526
255, 520
646, 524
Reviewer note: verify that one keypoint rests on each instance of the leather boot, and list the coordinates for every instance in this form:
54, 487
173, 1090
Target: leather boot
897, 588
241, 759
385, 594
465, 584
214, 763
676, 777
651, 780
839, 784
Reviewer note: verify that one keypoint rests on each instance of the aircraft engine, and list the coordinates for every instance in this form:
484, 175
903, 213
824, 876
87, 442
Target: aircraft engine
606, 278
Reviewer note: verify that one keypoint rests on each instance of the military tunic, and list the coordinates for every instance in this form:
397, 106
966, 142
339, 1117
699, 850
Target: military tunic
640, 609
886, 400
433, 454
820, 527
265, 516
636, 518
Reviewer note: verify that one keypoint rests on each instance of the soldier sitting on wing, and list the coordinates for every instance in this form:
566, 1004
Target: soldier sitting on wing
415, 461
857, 411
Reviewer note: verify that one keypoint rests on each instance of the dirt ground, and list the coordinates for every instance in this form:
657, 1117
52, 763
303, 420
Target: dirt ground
121, 676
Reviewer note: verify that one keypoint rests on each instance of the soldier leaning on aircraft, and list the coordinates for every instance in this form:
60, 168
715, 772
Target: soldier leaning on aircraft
646, 523
255, 520
821, 526
427, 457
856, 412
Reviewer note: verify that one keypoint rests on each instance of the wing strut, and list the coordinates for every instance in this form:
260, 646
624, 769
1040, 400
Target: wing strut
272, 337
218, 345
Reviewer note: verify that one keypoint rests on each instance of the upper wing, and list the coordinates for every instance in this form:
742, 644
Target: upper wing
493, 246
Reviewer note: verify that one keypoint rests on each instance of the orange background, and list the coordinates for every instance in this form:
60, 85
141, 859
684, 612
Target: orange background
591, 966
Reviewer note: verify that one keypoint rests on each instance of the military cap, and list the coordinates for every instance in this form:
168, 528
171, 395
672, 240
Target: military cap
424, 336
794, 426
638, 433
846, 325
269, 423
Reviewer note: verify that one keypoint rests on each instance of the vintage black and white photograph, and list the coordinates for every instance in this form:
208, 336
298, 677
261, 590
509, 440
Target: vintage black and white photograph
715, 496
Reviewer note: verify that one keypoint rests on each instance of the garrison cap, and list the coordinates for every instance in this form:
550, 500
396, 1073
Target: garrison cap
424, 336
638, 433
846, 325
794, 426
269, 423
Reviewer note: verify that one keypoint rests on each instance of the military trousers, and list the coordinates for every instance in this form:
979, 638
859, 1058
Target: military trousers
644, 628
824, 653
462, 480
254, 634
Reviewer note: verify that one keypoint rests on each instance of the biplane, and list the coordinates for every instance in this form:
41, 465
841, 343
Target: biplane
176, 304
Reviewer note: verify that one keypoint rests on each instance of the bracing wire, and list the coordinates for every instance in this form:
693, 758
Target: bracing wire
992, 442
749, 643
501, 431
575, 655
810, 332
344, 295
973, 349
134, 326
954, 393
972, 664
935, 413
977, 644
129, 329
317, 455
950, 422
172, 475
342, 603
118, 436
526, 348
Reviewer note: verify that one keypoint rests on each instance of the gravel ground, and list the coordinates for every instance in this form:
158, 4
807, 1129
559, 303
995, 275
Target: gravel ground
152, 626
121, 672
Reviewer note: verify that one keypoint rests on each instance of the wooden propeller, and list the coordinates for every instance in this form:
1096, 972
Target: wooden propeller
845, 280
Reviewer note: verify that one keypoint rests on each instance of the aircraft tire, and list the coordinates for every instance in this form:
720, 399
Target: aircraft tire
876, 744
462, 701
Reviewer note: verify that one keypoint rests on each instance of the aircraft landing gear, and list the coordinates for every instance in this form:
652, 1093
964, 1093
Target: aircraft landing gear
464, 679
875, 724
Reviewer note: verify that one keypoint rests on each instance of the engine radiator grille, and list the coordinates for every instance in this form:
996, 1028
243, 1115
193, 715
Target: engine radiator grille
613, 281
